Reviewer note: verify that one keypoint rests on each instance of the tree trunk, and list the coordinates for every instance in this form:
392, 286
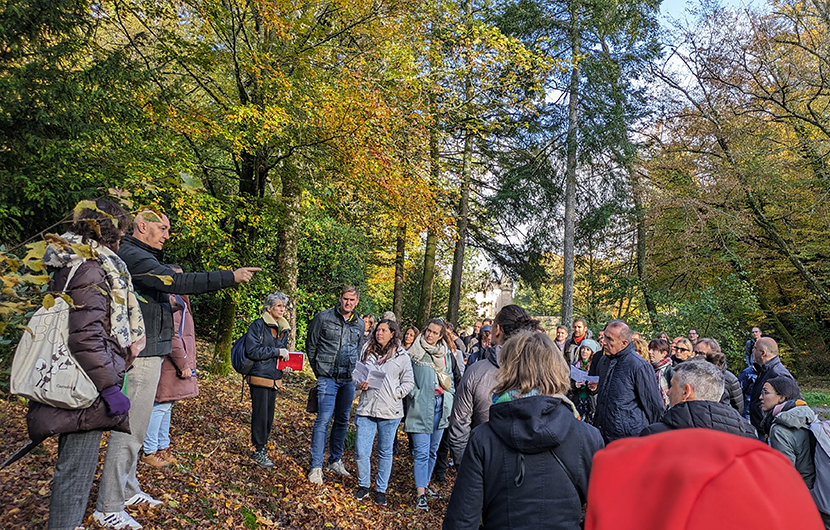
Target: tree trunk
425, 306
249, 185
570, 176
640, 220
400, 255
221, 363
460, 244
286, 265
466, 170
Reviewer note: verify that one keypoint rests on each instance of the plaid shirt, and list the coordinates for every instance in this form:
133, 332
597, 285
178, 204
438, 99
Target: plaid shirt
660, 370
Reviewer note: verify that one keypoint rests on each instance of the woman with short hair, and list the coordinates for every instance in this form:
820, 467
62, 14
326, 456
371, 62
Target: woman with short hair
265, 344
787, 415
658, 356
528, 466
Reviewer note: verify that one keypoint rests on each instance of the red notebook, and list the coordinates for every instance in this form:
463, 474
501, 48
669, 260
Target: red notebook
295, 361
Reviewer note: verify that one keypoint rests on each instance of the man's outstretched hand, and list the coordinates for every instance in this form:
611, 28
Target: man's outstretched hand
244, 274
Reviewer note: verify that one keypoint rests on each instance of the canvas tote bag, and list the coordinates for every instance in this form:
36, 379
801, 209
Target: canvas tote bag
43, 368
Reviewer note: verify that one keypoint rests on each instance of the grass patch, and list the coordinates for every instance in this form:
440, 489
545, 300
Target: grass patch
816, 399
249, 518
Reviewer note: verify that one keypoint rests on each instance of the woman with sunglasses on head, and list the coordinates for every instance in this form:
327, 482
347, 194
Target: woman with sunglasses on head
429, 403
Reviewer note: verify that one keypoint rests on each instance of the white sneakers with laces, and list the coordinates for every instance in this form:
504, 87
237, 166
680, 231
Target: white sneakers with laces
116, 520
338, 469
140, 497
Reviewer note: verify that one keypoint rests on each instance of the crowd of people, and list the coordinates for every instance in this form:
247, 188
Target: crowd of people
545, 428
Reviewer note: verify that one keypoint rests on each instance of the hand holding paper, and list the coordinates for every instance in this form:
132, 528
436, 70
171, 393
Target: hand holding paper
364, 373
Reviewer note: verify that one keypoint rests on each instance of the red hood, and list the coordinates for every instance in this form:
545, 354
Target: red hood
696, 479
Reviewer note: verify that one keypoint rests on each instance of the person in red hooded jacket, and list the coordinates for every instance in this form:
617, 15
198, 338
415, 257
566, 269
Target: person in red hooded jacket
709, 479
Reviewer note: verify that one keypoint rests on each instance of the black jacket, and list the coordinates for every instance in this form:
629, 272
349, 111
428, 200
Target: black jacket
144, 264
772, 368
509, 478
702, 414
333, 344
628, 399
262, 348
732, 394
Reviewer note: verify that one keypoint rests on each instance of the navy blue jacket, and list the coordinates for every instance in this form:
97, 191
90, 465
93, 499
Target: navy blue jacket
333, 344
509, 478
262, 348
628, 399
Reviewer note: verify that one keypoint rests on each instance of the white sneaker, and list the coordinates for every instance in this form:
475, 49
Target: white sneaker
140, 497
117, 520
338, 469
316, 476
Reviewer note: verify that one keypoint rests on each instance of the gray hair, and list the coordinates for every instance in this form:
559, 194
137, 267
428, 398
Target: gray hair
705, 378
389, 315
712, 343
625, 331
273, 299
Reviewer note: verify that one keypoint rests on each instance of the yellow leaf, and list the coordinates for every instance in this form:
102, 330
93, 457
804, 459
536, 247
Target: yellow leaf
67, 299
40, 279
36, 252
26, 328
84, 251
48, 301
165, 279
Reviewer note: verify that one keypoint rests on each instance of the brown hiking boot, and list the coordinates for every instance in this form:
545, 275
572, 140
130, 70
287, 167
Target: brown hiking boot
154, 460
167, 454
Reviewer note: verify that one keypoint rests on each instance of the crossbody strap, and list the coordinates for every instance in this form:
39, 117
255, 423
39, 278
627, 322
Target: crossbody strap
570, 476
71, 275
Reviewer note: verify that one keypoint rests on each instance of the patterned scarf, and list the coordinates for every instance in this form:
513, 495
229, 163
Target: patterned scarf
126, 321
511, 395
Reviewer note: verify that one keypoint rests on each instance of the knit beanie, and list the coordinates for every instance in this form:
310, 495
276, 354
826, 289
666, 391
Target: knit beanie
709, 479
590, 343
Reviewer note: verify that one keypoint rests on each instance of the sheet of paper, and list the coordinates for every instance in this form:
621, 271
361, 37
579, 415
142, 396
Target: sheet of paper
361, 372
579, 375
592, 379
375, 379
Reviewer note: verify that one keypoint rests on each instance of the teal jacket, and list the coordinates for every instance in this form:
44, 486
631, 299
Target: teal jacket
421, 399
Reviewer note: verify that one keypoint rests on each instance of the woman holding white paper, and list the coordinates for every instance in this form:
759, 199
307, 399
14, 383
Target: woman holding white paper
380, 409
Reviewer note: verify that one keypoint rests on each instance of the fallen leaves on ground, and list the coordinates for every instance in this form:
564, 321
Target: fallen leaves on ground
215, 484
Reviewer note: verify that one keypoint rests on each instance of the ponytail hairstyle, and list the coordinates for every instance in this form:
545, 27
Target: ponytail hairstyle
383, 353
512, 319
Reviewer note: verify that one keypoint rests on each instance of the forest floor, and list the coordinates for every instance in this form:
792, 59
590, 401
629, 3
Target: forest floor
215, 483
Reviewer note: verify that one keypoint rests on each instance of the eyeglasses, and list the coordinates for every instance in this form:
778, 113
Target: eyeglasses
682, 349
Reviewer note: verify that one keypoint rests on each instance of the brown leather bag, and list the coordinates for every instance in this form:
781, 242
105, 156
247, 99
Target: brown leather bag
311, 403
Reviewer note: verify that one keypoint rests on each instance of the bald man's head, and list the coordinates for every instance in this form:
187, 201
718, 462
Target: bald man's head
765, 350
151, 228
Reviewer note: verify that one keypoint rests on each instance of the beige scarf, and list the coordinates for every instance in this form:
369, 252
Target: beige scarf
437, 354
126, 320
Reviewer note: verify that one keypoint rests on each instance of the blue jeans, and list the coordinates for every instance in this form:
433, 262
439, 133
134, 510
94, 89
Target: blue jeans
426, 447
386, 429
334, 400
158, 431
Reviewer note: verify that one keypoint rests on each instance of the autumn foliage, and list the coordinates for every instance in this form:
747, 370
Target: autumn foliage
215, 484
